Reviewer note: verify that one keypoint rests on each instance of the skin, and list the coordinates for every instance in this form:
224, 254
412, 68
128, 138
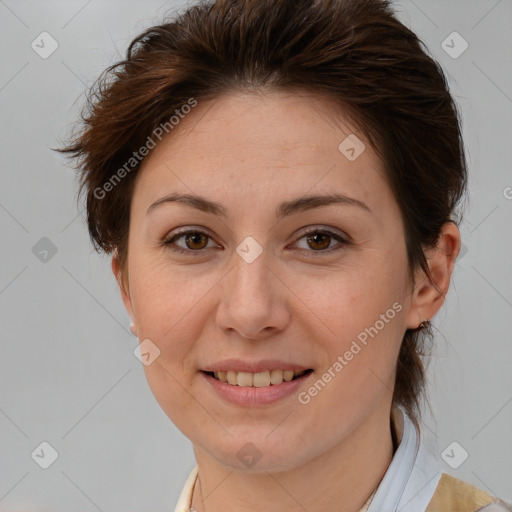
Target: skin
250, 152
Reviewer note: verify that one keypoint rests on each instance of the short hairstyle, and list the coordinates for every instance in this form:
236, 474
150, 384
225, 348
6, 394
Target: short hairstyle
353, 52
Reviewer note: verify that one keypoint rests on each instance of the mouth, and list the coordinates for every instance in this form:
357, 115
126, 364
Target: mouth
258, 379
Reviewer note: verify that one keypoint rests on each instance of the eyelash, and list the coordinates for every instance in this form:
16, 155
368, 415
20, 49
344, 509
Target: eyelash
168, 243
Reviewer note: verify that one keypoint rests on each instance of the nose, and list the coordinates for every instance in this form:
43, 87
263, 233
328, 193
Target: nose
254, 300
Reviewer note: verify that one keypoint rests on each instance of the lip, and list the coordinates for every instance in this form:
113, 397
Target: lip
238, 365
252, 396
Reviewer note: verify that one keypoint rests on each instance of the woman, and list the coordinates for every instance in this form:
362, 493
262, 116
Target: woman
278, 185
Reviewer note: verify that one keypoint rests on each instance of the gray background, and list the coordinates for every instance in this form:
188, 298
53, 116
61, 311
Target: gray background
68, 374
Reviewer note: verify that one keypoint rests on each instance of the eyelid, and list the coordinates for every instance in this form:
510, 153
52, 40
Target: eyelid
179, 232
325, 229
343, 239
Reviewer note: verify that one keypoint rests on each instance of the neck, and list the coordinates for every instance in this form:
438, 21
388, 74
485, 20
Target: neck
341, 479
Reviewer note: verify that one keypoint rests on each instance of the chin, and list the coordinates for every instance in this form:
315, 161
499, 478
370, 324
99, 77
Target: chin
258, 453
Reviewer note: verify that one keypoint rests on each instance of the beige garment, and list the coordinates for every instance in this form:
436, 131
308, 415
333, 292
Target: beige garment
453, 495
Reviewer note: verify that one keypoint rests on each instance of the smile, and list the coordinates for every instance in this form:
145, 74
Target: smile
258, 379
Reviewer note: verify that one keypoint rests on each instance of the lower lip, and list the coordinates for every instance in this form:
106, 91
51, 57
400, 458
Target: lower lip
251, 396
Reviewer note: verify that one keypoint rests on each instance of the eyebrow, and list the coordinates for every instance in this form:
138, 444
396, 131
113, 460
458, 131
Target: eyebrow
286, 208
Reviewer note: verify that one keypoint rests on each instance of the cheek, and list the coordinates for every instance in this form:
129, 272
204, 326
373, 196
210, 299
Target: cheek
165, 295
363, 309
167, 308
352, 300
365, 317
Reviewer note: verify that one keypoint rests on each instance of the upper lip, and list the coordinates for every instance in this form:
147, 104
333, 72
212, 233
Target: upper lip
238, 365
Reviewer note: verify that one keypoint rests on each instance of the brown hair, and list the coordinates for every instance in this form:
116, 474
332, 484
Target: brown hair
354, 52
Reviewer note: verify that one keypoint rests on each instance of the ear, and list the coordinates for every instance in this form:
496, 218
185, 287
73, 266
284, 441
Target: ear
427, 298
124, 289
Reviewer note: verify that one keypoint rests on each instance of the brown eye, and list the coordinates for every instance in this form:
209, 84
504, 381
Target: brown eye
319, 241
196, 240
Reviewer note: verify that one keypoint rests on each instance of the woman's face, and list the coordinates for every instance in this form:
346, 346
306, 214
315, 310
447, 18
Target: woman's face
253, 291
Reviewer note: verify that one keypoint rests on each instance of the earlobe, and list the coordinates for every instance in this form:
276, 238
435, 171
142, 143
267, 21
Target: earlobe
430, 292
133, 328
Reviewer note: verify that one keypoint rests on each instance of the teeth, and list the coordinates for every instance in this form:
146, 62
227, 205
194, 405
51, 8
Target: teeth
244, 379
257, 380
276, 376
288, 375
260, 380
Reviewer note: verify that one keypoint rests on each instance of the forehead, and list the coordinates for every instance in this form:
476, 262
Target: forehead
280, 121
292, 143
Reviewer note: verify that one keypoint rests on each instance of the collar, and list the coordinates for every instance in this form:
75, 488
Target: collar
411, 479
185, 499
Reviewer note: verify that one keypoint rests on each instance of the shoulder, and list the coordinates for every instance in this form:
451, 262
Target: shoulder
455, 495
